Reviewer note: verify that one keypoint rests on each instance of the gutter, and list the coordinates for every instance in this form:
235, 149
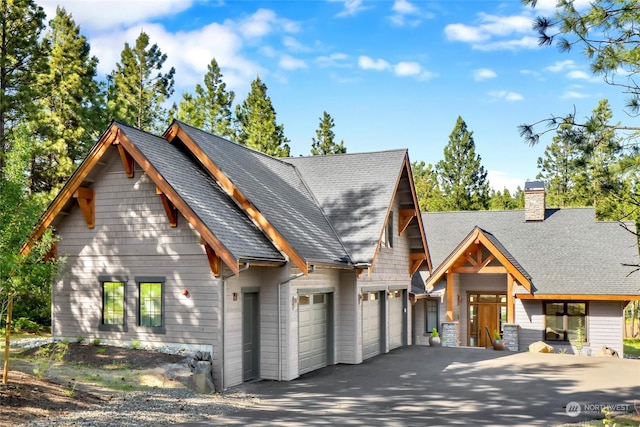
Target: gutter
224, 316
311, 269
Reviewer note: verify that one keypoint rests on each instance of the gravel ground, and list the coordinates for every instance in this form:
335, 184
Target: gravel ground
151, 408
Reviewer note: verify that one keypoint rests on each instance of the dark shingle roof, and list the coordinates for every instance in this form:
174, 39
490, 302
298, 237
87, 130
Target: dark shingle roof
276, 189
355, 192
202, 194
567, 253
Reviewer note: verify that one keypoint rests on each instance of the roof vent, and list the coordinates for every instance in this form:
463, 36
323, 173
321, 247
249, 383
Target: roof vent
534, 201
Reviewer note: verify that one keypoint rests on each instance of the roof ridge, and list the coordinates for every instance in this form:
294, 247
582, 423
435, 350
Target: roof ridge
359, 153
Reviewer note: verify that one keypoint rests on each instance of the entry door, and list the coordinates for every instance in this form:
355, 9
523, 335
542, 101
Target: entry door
487, 318
250, 336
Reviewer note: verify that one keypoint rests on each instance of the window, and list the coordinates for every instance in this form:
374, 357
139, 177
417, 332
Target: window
431, 307
387, 233
112, 303
563, 319
150, 303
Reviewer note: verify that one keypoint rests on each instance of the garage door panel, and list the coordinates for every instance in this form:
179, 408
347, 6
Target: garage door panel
370, 324
312, 335
396, 318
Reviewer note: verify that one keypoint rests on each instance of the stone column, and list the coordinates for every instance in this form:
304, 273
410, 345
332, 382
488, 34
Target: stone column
510, 336
450, 334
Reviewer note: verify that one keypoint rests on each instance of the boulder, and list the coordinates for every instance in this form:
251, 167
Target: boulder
202, 378
540, 347
607, 352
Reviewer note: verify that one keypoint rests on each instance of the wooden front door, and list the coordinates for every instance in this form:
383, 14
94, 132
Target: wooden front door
487, 318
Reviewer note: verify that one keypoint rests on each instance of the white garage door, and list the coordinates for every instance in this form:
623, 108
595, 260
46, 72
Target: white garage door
370, 324
312, 334
396, 318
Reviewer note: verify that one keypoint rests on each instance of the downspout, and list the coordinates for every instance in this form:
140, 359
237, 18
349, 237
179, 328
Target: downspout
295, 276
224, 316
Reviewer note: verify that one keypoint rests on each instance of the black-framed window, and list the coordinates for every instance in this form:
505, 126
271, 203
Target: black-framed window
113, 309
563, 319
431, 315
387, 235
151, 302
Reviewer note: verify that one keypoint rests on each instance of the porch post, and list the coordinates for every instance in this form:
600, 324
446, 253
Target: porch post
510, 300
449, 296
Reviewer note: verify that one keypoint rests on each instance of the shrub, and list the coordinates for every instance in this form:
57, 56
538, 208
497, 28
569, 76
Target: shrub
22, 324
47, 356
96, 341
135, 344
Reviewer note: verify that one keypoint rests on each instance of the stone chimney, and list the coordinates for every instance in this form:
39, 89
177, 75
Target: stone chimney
534, 204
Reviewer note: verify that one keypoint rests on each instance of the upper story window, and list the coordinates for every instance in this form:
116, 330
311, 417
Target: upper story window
387, 234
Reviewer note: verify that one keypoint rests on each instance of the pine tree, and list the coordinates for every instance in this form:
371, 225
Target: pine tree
256, 123
430, 198
22, 58
324, 142
138, 87
558, 168
462, 177
210, 108
71, 106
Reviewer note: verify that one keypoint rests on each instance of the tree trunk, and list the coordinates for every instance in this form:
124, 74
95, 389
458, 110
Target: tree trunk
7, 341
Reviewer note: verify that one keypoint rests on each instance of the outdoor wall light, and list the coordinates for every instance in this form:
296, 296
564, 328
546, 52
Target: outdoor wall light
359, 298
185, 292
235, 296
294, 302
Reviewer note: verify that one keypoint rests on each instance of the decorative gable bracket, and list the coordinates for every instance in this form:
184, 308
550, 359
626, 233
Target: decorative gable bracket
406, 215
214, 259
86, 200
415, 261
169, 208
127, 160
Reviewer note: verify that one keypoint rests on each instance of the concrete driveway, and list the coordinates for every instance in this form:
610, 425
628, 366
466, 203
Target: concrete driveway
445, 386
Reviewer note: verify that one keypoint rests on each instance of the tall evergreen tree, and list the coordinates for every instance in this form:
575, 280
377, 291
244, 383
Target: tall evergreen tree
71, 105
138, 87
256, 123
463, 178
210, 108
558, 168
22, 58
324, 142
425, 178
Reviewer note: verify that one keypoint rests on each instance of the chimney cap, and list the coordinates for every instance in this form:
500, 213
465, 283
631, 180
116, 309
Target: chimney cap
533, 185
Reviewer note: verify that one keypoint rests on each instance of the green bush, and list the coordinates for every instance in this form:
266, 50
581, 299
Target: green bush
22, 324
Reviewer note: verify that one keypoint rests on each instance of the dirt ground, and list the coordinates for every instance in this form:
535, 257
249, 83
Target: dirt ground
56, 390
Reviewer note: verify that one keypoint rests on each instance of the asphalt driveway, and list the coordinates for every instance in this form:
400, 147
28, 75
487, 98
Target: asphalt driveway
446, 386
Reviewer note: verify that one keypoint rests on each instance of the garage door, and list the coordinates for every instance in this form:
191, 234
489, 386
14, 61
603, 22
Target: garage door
312, 335
396, 318
370, 324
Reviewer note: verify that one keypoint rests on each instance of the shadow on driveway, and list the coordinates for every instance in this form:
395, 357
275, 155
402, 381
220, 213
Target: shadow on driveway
444, 386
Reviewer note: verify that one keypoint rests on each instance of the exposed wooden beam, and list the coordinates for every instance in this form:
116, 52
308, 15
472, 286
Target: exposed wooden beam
86, 201
127, 160
169, 208
415, 261
214, 260
480, 270
406, 215
510, 300
449, 297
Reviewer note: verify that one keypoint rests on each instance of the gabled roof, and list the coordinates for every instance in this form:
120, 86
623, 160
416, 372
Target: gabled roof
356, 191
569, 253
482, 238
191, 190
272, 191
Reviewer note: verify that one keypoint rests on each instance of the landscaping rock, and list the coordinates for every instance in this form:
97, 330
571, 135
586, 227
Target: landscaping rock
607, 352
540, 347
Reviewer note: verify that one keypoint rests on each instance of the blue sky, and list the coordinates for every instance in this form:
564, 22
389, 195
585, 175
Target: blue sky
392, 74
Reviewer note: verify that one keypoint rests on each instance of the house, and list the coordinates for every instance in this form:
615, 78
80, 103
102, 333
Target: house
532, 275
276, 267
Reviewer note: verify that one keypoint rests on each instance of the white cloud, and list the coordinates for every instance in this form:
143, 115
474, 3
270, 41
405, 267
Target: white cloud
484, 74
495, 33
265, 21
572, 94
294, 45
506, 95
290, 63
403, 69
406, 14
578, 75
334, 60
559, 66
550, 6
367, 63
351, 7
102, 15
404, 7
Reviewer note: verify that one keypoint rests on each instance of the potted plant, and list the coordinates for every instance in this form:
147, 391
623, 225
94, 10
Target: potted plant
497, 342
434, 339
